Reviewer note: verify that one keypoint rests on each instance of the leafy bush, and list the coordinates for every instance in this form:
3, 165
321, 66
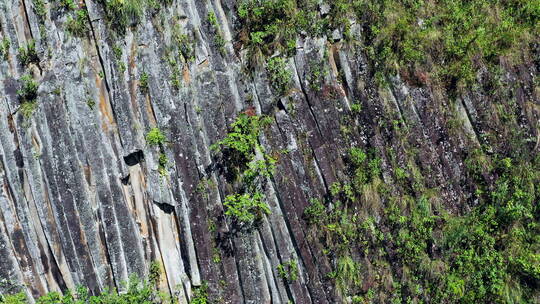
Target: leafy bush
28, 90
315, 212
18, 298
28, 54
267, 27
242, 139
143, 82
27, 95
246, 207
155, 137
68, 4
366, 166
136, 292
288, 270
239, 148
200, 295
279, 75
39, 7
4, 48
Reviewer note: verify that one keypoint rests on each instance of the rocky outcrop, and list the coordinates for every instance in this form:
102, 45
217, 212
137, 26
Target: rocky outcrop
83, 199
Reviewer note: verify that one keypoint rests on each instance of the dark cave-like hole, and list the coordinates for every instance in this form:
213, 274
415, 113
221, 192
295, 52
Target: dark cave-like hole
134, 158
165, 207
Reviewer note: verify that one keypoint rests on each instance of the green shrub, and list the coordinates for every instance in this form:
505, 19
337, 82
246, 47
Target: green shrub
239, 148
4, 48
288, 270
243, 138
27, 95
136, 292
18, 298
28, 54
163, 162
155, 137
246, 208
28, 90
68, 4
315, 212
154, 272
28, 108
143, 82
212, 19
279, 75
366, 166
356, 108
39, 7
200, 295
268, 27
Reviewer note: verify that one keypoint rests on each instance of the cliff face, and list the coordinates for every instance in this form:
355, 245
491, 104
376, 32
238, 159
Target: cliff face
85, 200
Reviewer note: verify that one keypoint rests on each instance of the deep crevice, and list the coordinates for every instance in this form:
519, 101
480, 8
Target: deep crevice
134, 158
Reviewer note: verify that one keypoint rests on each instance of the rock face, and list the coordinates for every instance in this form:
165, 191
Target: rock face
84, 200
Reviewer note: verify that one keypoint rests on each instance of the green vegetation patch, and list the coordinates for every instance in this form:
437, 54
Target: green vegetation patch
27, 54
420, 40
78, 25
417, 252
288, 270
135, 291
246, 207
280, 77
155, 137
4, 48
27, 95
238, 152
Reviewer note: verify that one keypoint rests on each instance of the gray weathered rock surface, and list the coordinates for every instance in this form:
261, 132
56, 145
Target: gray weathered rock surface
82, 200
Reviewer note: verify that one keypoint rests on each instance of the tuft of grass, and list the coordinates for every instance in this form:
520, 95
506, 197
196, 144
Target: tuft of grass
78, 26
123, 13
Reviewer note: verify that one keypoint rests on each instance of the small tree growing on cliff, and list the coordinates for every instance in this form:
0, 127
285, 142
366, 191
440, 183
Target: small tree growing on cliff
239, 149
